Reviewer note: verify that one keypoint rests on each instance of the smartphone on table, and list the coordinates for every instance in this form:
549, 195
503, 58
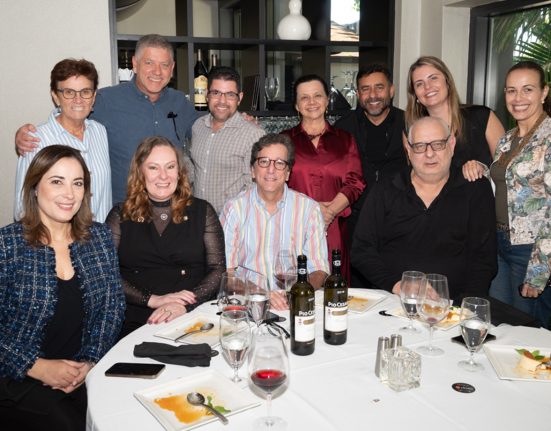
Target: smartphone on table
137, 370
459, 339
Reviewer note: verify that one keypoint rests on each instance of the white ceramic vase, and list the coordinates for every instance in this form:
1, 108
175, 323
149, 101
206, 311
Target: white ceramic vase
294, 26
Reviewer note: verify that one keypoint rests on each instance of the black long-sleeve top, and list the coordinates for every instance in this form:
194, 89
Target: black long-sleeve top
454, 236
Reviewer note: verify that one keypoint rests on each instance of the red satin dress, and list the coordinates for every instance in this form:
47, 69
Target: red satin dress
322, 172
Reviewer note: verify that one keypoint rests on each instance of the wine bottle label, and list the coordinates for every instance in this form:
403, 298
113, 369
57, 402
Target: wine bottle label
302, 271
200, 90
336, 263
336, 317
305, 328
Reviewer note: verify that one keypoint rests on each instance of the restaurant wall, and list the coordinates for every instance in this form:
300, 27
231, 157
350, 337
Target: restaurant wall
36, 35
432, 27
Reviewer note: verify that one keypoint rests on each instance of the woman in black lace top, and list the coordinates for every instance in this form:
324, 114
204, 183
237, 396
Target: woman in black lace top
170, 244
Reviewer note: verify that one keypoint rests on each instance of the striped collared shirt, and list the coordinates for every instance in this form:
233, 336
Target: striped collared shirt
222, 159
253, 236
94, 151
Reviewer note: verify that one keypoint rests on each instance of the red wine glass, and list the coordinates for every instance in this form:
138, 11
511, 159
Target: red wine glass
268, 370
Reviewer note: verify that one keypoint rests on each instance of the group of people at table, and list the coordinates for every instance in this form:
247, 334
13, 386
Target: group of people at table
392, 190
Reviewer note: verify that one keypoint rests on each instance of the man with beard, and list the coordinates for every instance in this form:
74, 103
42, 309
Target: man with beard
377, 127
221, 141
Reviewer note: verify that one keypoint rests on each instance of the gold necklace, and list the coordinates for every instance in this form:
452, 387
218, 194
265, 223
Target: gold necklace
506, 157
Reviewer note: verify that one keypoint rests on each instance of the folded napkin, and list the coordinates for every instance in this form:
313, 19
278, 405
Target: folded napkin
189, 355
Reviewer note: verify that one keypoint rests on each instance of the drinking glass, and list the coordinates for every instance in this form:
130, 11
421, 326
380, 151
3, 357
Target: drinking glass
475, 324
411, 283
257, 296
285, 270
271, 87
433, 305
232, 291
268, 370
235, 339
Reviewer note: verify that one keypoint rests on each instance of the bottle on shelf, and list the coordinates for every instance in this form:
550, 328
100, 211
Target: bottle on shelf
335, 304
213, 61
200, 83
302, 312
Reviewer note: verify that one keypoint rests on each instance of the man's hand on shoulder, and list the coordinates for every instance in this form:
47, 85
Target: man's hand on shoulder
24, 142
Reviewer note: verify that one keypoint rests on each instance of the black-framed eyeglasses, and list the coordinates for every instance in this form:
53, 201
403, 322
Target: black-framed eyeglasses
69, 93
421, 147
230, 95
264, 162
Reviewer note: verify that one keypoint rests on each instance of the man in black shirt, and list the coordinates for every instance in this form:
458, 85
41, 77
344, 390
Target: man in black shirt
430, 219
377, 127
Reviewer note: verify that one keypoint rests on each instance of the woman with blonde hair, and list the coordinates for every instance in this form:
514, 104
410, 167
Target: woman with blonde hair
432, 92
170, 244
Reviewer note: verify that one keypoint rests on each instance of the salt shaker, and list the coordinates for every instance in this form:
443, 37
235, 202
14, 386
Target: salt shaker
382, 344
395, 341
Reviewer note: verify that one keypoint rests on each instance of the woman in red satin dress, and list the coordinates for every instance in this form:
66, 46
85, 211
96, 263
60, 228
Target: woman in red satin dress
327, 164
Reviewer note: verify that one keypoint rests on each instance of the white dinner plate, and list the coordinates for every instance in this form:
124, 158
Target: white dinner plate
359, 300
505, 359
451, 321
223, 392
189, 323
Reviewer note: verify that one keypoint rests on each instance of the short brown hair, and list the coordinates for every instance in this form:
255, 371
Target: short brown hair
274, 139
34, 231
137, 206
69, 67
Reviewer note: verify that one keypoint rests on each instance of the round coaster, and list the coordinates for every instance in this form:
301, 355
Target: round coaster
463, 387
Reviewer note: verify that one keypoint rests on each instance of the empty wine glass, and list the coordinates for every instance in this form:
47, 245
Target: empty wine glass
258, 296
475, 323
232, 291
411, 283
271, 87
268, 370
285, 270
432, 307
235, 339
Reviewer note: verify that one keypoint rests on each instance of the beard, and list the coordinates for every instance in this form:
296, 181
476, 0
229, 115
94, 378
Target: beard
375, 111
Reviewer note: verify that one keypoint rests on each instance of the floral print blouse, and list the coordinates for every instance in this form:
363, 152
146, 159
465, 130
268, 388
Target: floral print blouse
528, 179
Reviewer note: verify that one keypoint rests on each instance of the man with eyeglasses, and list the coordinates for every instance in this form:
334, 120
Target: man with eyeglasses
132, 111
430, 219
221, 141
269, 217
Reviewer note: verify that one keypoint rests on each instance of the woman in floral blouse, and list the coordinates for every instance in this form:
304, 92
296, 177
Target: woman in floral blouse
521, 172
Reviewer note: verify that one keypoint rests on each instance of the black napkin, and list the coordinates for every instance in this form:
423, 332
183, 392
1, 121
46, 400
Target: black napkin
189, 355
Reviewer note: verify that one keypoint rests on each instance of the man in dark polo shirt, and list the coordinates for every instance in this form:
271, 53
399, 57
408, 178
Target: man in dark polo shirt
377, 127
430, 219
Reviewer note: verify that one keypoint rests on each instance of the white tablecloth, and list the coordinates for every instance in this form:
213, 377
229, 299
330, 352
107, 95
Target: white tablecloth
335, 389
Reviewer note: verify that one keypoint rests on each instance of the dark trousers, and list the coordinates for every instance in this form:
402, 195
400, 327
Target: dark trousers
29, 405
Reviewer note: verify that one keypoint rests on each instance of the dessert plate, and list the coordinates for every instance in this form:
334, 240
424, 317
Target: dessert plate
192, 322
359, 300
167, 402
505, 360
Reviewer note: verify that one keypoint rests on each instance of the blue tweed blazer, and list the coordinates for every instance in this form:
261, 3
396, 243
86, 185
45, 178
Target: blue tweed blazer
28, 295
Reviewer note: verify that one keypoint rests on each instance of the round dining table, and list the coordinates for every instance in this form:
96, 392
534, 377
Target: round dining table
336, 389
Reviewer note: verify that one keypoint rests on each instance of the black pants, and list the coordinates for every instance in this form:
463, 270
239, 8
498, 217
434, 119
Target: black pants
29, 405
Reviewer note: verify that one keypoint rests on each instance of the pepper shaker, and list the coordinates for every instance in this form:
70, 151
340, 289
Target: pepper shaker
395, 341
382, 345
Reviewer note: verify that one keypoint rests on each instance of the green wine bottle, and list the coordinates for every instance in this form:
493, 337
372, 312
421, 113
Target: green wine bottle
302, 312
335, 304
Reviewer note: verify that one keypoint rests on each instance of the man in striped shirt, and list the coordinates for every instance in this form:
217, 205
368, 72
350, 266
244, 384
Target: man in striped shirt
269, 217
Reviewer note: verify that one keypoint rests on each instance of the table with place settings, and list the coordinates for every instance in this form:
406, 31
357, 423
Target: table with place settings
335, 388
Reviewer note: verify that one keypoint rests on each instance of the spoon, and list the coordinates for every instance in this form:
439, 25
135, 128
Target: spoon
197, 399
206, 327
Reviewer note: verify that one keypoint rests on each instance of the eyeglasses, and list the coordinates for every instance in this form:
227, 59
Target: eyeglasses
69, 93
265, 162
230, 95
421, 147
